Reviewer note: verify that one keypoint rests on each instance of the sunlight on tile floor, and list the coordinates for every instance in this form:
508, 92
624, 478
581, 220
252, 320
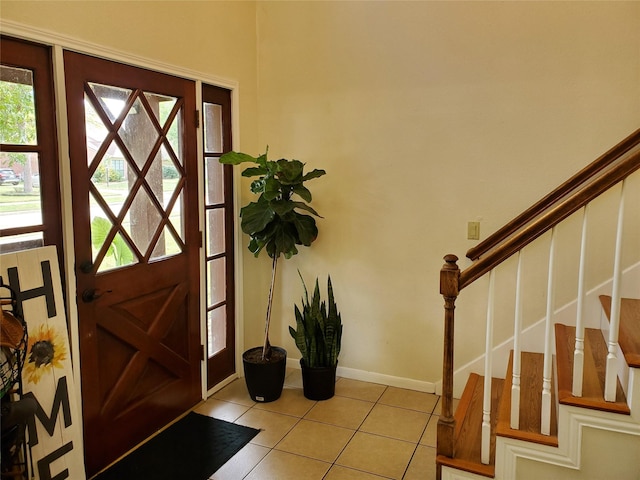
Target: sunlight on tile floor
366, 431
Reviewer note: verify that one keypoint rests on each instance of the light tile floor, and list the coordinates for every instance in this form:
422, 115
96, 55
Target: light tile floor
366, 431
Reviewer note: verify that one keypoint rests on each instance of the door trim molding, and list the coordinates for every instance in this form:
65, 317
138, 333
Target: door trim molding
67, 42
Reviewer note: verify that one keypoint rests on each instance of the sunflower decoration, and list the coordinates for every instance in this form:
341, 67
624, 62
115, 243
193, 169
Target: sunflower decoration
45, 352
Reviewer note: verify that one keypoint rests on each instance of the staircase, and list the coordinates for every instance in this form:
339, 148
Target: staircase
570, 407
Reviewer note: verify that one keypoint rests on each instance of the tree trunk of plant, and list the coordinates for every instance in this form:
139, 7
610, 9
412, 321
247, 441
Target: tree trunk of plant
266, 347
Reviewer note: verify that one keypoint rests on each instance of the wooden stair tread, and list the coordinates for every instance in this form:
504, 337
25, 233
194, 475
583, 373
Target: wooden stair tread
629, 334
595, 354
468, 432
531, 369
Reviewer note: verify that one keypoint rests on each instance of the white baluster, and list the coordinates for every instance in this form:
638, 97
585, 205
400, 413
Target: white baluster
578, 353
545, 423
614, 322
515, 381
488, 358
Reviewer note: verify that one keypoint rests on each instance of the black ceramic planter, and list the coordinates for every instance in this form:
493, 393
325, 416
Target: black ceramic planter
318, 383
265, 380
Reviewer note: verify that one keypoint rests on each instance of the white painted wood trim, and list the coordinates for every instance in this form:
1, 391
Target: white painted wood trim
611, 376
517, 334
578, 353
545, 424
488, 359
572, 421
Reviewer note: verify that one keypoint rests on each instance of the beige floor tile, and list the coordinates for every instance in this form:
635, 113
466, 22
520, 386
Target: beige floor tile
423, 464
223, 410
340, 411
291, 402
370, 392
394, 422
378, 455
273, 426
338, 472
279, 465
293, 378
316, 440
438, 409
430, 433
235, 392
241, 463
401, 397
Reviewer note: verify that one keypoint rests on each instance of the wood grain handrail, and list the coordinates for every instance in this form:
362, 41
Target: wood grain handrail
554, 208
580, 178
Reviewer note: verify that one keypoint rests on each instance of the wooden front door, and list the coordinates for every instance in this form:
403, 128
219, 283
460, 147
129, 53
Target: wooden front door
132, 137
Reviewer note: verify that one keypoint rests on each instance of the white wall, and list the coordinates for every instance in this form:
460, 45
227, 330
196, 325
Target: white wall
427, 115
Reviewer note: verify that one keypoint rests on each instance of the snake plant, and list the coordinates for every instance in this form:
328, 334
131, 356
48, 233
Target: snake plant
319, 328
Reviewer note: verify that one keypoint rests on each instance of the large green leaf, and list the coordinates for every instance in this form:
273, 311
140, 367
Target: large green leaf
256, 216
254, 171
313, 174
306, 228
236, 158
290, 171
303, 192
119, 249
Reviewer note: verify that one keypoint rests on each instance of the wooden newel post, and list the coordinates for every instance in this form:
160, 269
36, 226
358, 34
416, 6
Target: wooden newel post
449, 283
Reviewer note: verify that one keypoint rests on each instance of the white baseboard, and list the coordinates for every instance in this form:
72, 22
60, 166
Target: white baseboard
373, 377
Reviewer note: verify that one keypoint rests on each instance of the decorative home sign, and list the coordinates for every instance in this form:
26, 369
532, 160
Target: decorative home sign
54, 432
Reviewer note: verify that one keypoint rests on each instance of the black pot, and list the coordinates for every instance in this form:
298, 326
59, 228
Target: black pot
318, 383
265, 380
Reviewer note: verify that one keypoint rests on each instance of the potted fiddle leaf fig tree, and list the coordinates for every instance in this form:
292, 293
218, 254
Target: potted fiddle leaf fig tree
318, 336
278, 221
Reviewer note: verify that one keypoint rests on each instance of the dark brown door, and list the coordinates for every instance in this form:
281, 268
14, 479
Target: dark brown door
133, 153
219, 252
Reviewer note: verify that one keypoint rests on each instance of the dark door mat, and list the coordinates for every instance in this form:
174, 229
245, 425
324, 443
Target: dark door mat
192, 448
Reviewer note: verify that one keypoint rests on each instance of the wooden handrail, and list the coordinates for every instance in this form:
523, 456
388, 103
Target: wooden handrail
553, 215
584, 175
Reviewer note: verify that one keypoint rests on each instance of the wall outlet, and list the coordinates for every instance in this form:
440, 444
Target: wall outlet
473, 230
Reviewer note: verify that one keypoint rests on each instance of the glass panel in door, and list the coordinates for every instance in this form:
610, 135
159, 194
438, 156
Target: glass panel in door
218, 203
137, 177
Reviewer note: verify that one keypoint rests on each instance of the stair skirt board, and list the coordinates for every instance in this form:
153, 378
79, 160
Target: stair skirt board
573, 425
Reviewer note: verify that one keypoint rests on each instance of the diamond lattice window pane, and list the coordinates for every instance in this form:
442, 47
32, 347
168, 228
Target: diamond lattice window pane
175, 217
162, 107
144, 220
138, 133
112, 99
95, 129
118, 254
166, 246
110, 178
